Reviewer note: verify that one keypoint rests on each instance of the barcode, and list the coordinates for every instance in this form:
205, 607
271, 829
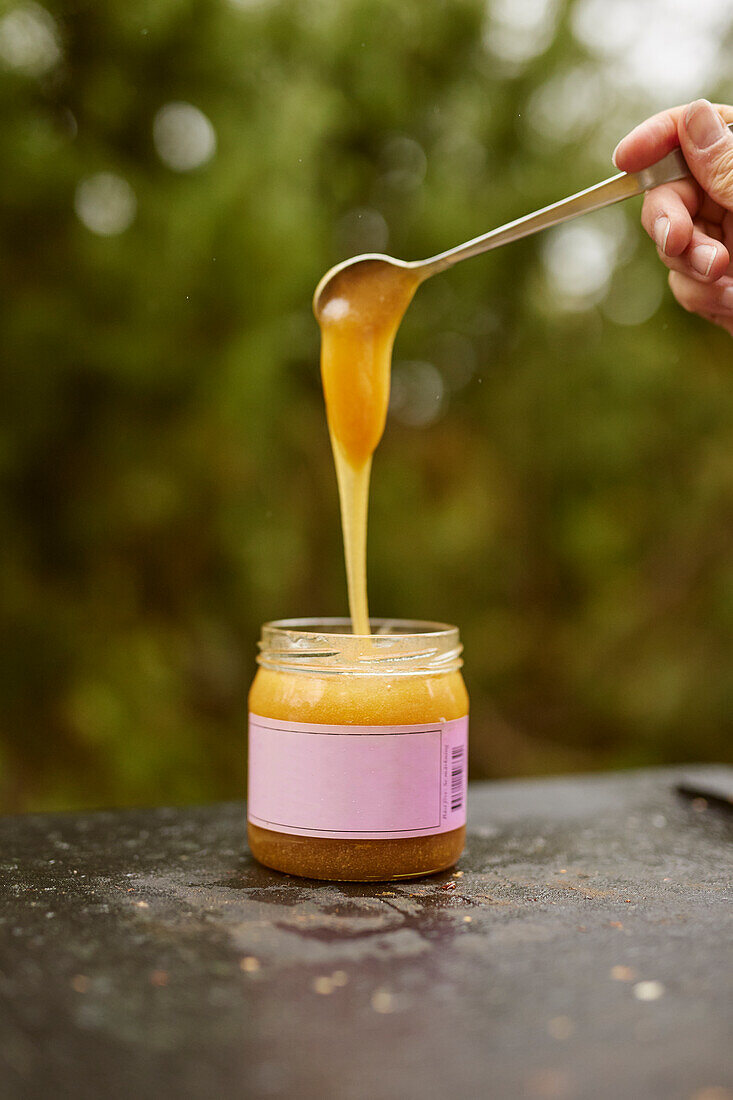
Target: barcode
456, 778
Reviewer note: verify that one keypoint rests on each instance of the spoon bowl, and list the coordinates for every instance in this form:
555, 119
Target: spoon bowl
339, 280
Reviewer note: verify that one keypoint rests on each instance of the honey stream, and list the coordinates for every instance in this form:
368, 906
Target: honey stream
359, 313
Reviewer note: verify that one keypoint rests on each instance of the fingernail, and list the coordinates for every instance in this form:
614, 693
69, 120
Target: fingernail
704, 124
726, 298
613, 156
702, 258
660, 232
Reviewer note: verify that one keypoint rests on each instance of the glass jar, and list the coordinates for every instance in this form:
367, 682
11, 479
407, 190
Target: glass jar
357, 750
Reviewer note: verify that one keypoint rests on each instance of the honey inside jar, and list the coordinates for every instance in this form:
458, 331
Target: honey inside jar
357, 744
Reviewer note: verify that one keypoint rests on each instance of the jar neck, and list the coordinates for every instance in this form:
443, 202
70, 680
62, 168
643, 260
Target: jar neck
396, 647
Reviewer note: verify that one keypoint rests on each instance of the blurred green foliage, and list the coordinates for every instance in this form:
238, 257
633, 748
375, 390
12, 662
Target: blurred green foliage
567, 498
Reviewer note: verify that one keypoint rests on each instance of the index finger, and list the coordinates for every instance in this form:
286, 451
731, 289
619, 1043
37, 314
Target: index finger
649, 141
654, 138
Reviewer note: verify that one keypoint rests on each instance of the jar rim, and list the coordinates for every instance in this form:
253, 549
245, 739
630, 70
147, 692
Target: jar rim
302, 626
327, 646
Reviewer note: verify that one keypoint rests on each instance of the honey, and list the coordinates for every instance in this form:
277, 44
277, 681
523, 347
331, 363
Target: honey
359, 313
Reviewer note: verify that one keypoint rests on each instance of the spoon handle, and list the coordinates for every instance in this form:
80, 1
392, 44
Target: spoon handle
623, 186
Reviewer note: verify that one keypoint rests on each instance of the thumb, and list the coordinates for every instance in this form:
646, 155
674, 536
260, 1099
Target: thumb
707, 144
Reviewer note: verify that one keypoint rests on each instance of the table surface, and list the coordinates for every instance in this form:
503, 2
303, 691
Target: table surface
580, 949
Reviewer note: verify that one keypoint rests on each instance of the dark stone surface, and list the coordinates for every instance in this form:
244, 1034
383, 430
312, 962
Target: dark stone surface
123, 938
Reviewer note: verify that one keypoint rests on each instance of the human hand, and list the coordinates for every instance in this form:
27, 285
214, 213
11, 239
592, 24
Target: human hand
691, 220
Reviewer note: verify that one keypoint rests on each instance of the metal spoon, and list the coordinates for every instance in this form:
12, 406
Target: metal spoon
623, 186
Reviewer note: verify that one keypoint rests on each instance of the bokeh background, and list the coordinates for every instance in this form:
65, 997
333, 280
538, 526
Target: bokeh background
557, 472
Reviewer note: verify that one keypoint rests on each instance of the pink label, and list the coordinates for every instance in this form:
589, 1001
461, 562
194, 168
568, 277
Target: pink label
357, 782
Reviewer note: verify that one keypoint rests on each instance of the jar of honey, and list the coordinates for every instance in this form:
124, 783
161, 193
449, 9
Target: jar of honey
357, 750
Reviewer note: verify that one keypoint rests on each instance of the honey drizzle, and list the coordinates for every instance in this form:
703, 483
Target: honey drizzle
359, 313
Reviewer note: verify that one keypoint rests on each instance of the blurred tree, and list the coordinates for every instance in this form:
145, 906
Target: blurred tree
560, 455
